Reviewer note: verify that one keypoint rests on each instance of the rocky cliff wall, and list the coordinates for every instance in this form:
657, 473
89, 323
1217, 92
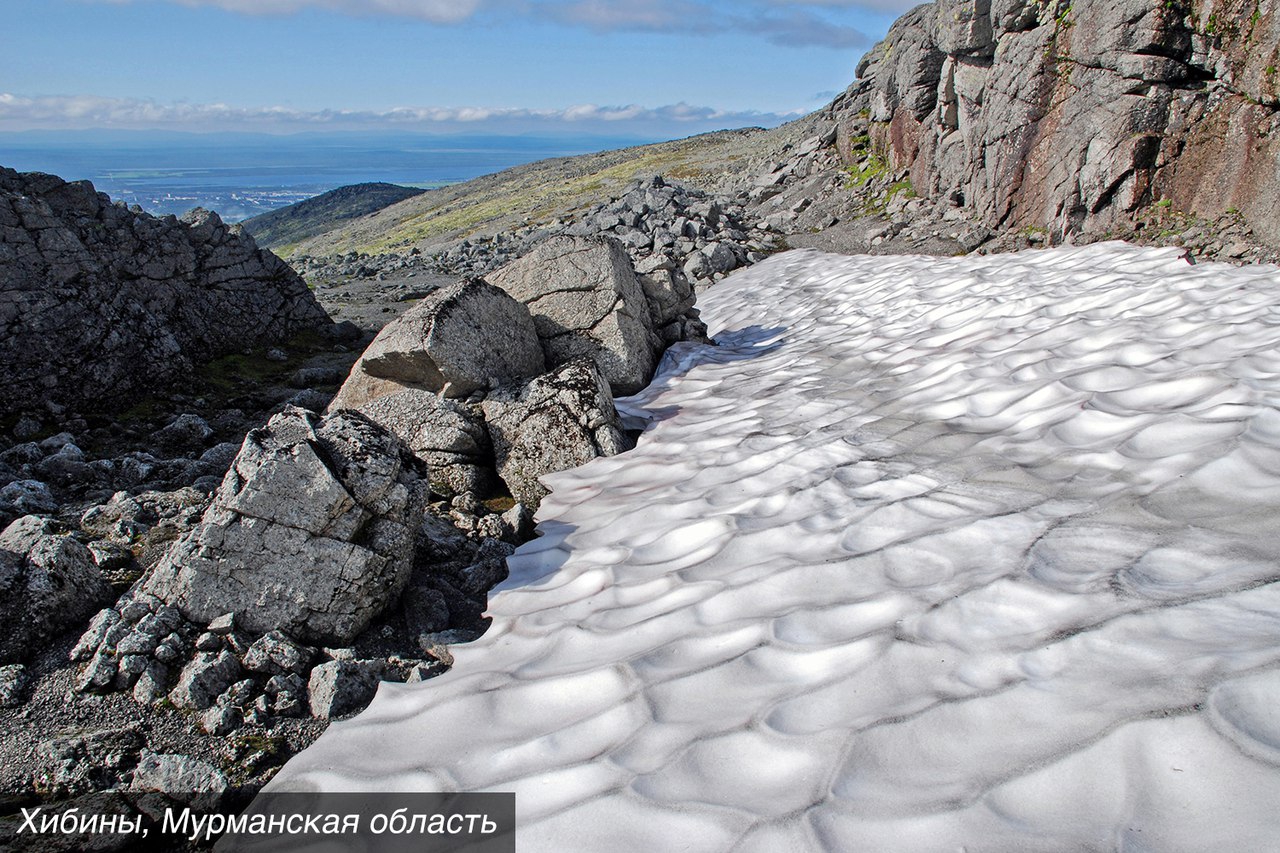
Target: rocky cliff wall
1075, 116
100, 304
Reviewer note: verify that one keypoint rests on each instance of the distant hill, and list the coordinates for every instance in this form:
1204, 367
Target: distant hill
323, 212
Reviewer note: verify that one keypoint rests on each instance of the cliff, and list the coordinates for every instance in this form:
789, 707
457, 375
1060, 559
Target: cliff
1073, 117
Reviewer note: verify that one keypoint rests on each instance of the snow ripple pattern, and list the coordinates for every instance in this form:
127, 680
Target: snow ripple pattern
927, 554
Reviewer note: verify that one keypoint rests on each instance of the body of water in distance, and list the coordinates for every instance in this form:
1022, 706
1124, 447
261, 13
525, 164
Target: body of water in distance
243, 175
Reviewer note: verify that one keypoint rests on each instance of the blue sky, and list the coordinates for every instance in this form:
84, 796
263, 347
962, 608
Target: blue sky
579, 66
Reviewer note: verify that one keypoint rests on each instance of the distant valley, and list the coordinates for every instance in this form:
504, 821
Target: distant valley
246, 175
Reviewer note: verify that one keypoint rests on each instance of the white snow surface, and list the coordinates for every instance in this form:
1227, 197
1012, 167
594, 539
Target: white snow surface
928, 554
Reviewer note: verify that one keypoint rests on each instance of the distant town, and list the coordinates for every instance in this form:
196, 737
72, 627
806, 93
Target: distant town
231, 205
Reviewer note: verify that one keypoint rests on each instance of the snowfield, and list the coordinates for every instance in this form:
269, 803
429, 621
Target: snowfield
929, 554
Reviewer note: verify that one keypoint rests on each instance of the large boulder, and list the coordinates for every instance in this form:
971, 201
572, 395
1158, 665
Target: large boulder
586, 301
448, 435
460, 339
100, 304
311, 531
48, 583
558, 421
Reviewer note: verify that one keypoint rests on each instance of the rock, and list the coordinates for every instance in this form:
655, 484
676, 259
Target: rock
425, 610
520, 519
558, 421
114, 561
221, 720
447, 435
153, 685
74, 764
67, 467
310, 377
99, 674
189, 779
1075, 117
103, 304
130, 667
25, 453
185, 432
25, 497
96, 634
223, 625
48, 583
424, 670
13, 685
208, 642
586, 301
669, 294
459, 340
288, 703
311, 531
27, 427
342, 687
286, 682
202, 680
276, 654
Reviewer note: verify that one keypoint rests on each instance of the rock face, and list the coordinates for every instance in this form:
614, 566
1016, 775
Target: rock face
459, 340
586, 301
311, 531
555, 422
48, 583
1072, 116
448, 435
99, 303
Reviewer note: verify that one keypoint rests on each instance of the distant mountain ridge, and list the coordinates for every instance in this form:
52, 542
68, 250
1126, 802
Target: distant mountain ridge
323, 212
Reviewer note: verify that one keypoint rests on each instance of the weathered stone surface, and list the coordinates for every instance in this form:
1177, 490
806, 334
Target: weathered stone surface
99, 304
276, 654
25, 497
202, 680
179, 775
48, 583
1073, 117
458, 340
558, 421
446, 434
76, 764
153, 685
311, 531
14, 679
341, 687
586, 301
185, 432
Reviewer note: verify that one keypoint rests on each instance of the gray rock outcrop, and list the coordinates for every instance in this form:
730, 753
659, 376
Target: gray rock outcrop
100, 303
448, 435
460, 339
586, 301
339, 687
558, 421
1072, 117
311, 531
48, 583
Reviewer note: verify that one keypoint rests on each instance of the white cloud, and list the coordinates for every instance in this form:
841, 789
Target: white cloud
435, 11
19, 112
792, 26
793, 23
898, 6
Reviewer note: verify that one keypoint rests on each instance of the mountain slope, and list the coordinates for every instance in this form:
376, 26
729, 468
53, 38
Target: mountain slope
321, 213
551, 189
